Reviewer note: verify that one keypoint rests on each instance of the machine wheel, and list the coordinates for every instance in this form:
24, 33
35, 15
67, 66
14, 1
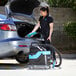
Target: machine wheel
57, 54
22, 58
58, 58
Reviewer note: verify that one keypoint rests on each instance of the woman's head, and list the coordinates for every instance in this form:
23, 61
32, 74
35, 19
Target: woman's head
44, 11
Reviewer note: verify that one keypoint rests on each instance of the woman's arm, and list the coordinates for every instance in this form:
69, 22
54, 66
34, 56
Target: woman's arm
51, 31
36, 27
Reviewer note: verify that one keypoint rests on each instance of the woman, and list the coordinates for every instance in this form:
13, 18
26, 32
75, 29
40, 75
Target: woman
46, 24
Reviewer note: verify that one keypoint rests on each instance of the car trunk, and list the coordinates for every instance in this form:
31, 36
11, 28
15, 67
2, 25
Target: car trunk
23, 28
24, 7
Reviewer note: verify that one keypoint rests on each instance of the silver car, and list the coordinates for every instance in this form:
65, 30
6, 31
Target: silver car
12, 41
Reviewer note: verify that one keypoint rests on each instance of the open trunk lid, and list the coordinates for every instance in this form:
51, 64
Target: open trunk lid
24, 6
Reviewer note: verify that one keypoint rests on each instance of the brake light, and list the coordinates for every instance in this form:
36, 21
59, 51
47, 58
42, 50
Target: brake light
7, 27
23, 46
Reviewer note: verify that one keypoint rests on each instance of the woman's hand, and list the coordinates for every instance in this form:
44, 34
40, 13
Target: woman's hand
49, 38
28, 35
51, 31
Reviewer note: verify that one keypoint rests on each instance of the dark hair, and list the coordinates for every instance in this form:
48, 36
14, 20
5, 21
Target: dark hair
45, 9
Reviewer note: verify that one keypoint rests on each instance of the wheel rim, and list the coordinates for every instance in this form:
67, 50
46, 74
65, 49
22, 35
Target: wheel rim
58, 59
22, 57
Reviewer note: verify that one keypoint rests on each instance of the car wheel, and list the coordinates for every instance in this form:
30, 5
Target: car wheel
22, 58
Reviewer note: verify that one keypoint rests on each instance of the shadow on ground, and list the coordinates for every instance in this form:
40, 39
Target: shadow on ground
9, 66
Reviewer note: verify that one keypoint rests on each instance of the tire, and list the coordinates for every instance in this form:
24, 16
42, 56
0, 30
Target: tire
57, 55
58, 64
22, 58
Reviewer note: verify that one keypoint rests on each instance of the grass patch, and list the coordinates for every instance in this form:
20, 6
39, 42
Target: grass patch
70, 29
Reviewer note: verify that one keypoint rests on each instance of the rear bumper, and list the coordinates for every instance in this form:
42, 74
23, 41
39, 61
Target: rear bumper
8, 34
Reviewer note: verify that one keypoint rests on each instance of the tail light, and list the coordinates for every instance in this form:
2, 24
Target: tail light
7, 27
23, 46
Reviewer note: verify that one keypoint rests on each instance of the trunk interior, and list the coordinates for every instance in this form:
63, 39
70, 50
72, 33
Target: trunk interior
23, 28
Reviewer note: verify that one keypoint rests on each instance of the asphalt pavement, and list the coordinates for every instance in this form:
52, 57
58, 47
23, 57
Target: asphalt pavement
11, 67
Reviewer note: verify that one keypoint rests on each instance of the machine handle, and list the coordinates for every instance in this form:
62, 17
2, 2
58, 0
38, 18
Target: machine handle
31, 34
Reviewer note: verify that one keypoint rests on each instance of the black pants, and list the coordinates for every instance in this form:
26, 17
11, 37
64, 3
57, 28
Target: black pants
53, 51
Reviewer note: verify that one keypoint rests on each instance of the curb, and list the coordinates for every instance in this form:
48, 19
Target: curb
69, 56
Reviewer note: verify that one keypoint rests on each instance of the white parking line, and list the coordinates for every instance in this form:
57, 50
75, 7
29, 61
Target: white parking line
13, 61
